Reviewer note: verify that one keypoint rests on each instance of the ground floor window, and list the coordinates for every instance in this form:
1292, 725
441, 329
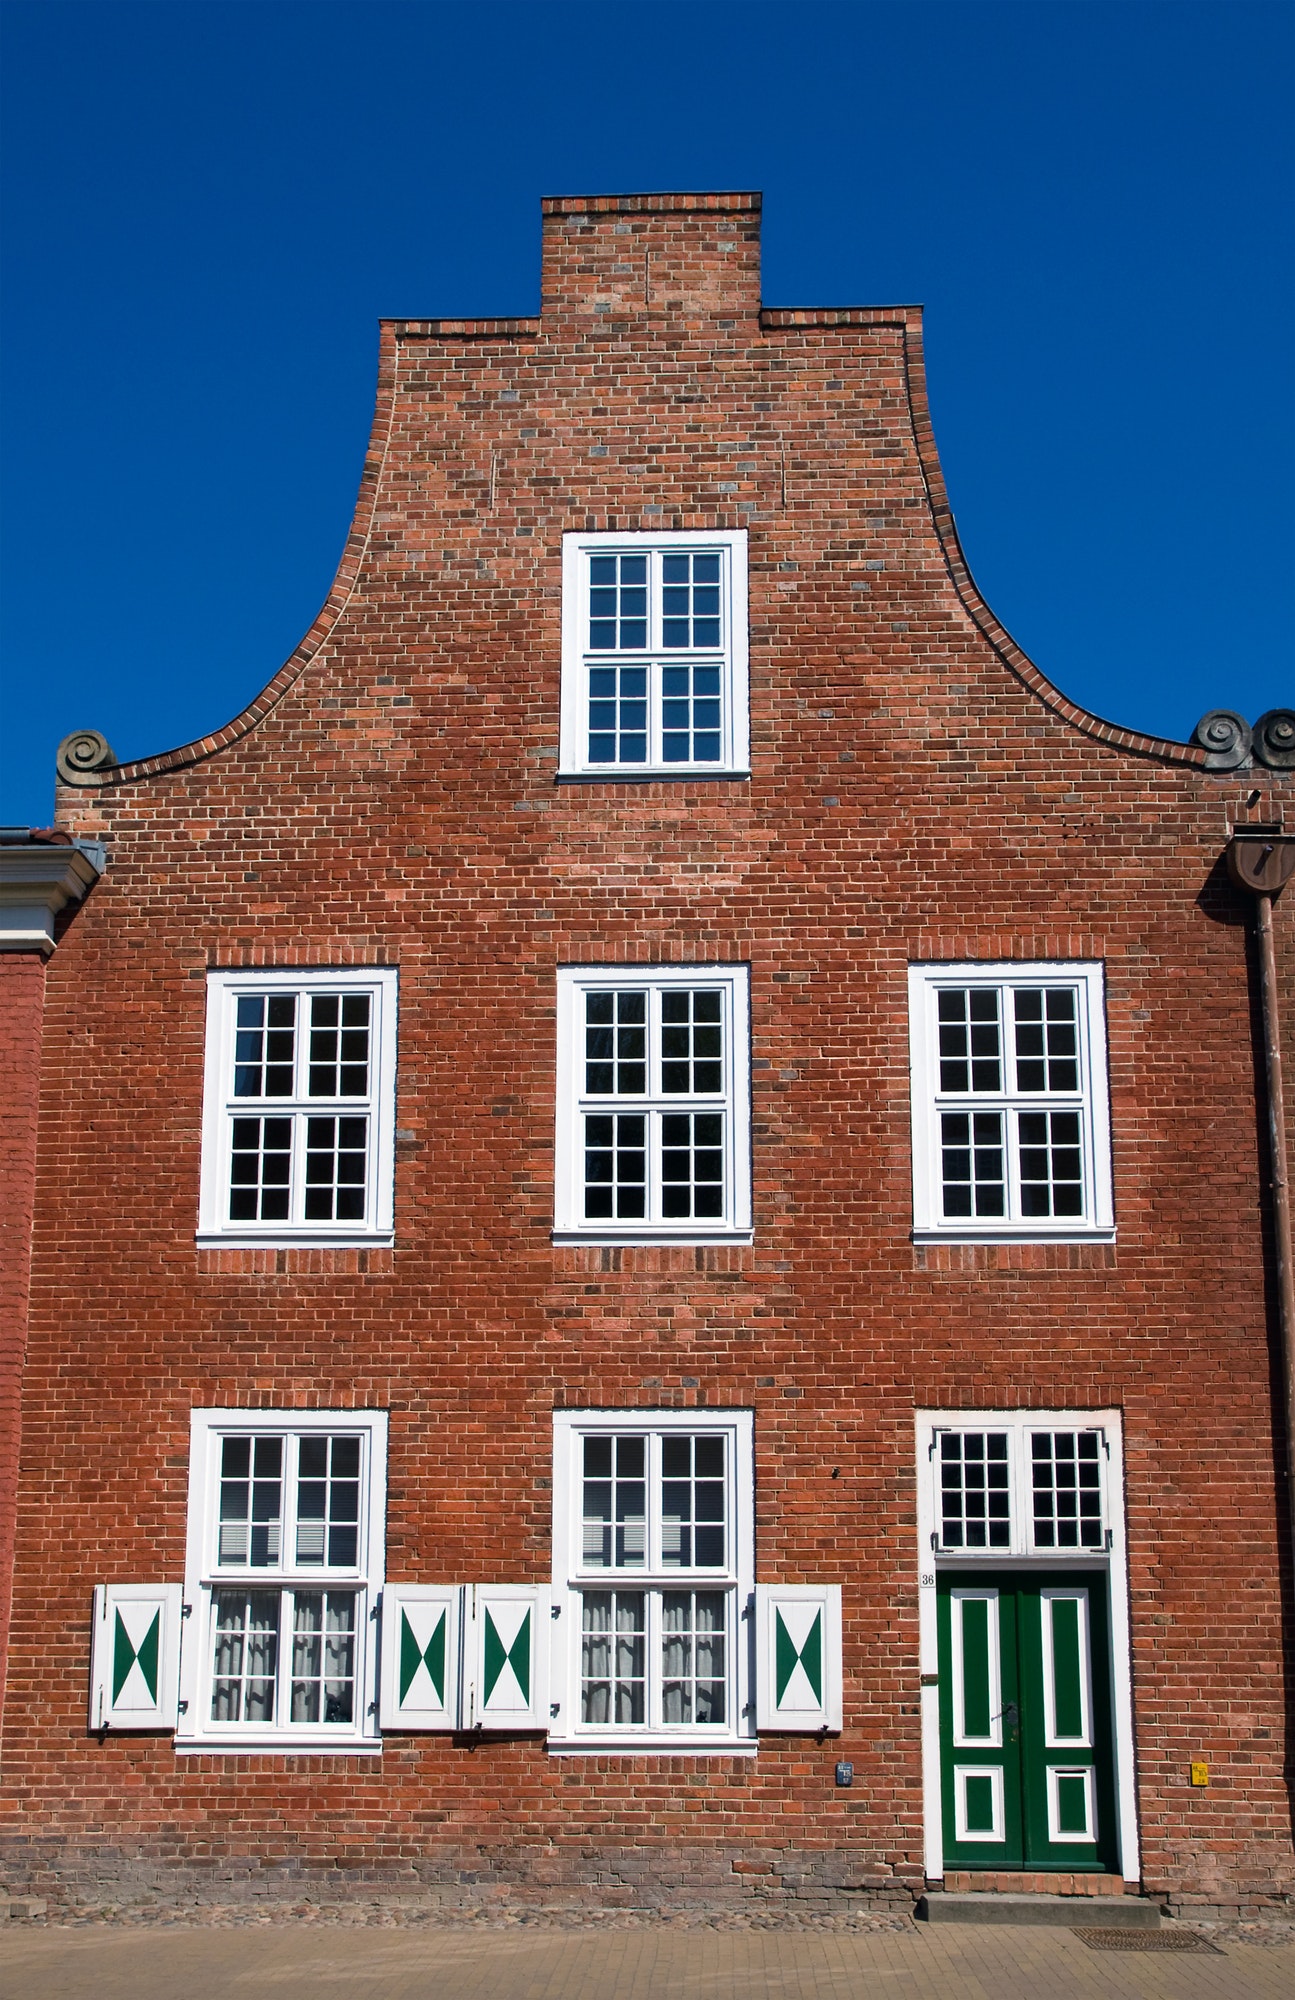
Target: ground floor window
652, 1569
284, 1567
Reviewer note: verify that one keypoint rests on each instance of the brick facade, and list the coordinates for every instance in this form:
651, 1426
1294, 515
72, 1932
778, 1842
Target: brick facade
918, 791
22, 1000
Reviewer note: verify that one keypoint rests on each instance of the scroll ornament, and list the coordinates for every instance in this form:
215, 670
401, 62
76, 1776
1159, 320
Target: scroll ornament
82, 756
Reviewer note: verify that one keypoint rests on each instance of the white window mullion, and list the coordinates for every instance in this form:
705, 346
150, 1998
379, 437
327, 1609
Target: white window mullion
283, 1665
1010, 1115
653, 1463
1021, 1496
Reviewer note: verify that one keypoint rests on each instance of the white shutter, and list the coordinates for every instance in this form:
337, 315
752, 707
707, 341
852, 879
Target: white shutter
422, 1631
135, 1664
798, 1656
507, 1653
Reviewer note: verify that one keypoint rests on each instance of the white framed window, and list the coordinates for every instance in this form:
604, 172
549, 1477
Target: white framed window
299, 1107
1010, 1114
654, 655
1019, 1486
653, 1576
653, 1110
283, 1571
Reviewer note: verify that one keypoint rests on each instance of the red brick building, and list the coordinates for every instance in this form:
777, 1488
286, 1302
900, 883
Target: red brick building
651, 1190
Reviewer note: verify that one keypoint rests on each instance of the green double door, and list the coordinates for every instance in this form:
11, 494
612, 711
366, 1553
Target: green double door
1026, 1743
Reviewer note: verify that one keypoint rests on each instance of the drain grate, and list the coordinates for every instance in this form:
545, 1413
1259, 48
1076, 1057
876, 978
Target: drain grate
1130, 1940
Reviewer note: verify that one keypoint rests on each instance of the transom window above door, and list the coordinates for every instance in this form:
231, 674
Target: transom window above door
1017, 1487
654, 655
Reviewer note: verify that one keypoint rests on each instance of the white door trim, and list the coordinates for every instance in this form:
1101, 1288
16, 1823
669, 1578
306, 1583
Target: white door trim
1114, 1560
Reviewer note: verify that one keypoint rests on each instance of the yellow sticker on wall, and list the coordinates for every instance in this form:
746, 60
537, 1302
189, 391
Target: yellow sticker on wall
1200, 1774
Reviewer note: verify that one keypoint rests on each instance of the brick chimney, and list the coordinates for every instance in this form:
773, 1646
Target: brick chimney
620, 257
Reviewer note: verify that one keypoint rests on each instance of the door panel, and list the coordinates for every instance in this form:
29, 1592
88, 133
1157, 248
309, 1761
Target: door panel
979, 1723
1025, 1720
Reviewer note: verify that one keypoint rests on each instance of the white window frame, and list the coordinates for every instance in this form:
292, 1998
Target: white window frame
1111, 1558
930, 1225
221, 1107
735, 749
204, 1574
1020, 1430
571, 1578
573, 1104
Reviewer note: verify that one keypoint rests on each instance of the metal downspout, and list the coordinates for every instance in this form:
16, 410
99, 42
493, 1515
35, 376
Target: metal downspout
1263, 861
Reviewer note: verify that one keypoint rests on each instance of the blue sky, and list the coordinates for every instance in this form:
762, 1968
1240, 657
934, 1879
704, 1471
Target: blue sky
207, 208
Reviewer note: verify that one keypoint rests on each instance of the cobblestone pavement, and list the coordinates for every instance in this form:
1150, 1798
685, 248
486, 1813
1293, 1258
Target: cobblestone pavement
386, 1959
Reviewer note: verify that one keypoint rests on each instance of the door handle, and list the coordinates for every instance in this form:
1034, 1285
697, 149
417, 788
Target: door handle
1010, 1717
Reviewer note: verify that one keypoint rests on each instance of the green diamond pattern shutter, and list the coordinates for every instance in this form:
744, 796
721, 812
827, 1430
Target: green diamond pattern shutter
135, 1665
798, 1656
422, 1626
509, 1656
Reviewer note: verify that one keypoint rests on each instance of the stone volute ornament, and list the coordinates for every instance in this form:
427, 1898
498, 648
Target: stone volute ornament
1226, 736
82, 756
1230, 741
1274, 739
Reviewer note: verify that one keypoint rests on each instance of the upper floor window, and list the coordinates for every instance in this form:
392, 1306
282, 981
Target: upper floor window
654, 654
283, 1569
299, 1107
653, 1102
1011, 1133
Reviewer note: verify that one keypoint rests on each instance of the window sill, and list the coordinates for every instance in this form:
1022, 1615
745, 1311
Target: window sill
286, 1745
653, 774
1012, 1235
1030, 1560
625, 1237
626, 1745
296, 1239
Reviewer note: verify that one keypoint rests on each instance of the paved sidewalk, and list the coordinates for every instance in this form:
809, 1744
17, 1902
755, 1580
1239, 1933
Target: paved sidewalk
301, 1962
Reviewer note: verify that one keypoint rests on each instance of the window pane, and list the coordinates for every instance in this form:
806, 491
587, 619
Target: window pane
1065, 1470
265, 1038
969, 1038
615, 1044
337, 1151
1052, 1176
693, 1503
613, 1656
692, 1164
618, 715
328, 1501
975, 1506
690, 715
615, 1503
690, 601
323, 1656
616, 1166
260, 1171
251, 1501
971, 1163
1047, 1039
617, 603
693, 1656
339, 1045
245, 1655
692, 1048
